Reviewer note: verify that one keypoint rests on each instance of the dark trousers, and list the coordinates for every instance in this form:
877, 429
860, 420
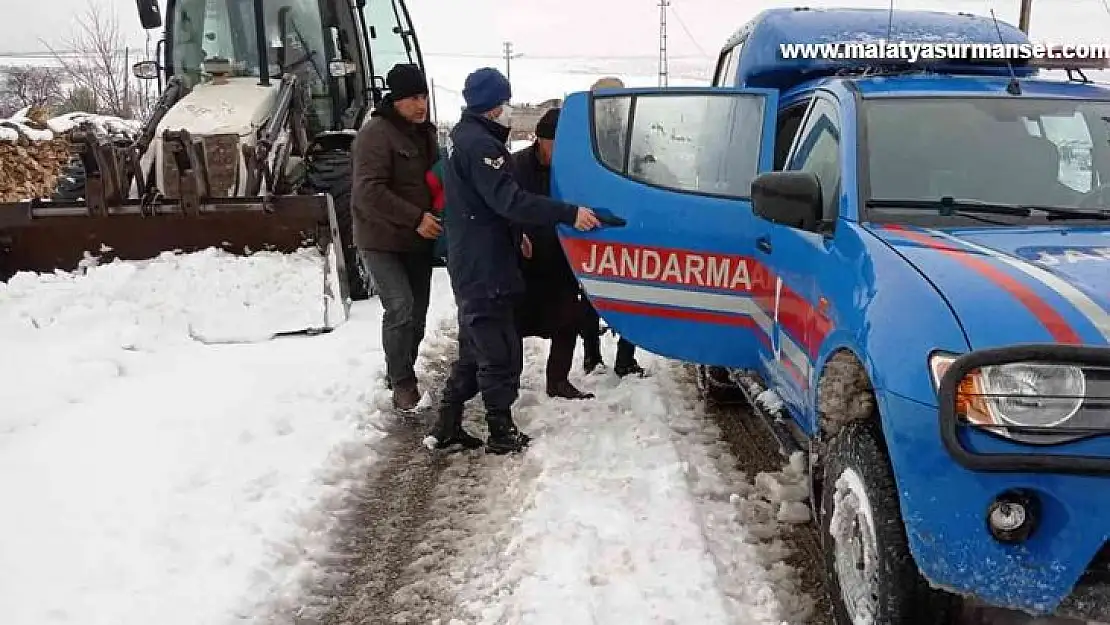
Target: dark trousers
560, 357
590, 330
404, 283
491, 356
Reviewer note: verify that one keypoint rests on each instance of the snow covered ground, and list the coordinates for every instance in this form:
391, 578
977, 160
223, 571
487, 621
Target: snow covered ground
149, 478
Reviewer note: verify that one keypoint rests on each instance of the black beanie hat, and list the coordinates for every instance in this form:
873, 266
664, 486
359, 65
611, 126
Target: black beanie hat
406, 80
545, 128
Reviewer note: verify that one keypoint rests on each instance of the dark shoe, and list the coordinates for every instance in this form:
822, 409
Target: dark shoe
449, 431
504, 438
406, 396
590, 363
566, 390
626, 369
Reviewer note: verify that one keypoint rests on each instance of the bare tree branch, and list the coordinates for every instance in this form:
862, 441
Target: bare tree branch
98, 67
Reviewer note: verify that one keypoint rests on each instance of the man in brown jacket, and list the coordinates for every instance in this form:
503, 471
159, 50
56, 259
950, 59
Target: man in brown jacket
394, 228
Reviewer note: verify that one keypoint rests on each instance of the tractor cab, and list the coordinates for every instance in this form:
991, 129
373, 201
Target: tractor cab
338, 56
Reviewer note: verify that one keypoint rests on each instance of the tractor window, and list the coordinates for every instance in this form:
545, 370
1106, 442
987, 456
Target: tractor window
209, 30
391, 37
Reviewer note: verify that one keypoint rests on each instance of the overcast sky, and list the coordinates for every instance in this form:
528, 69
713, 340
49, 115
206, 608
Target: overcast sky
595, 28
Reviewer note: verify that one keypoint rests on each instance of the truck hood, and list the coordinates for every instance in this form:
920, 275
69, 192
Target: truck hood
1016, 285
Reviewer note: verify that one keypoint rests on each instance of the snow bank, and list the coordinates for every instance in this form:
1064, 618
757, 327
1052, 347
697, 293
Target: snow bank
32, 125
153, 479
632, 511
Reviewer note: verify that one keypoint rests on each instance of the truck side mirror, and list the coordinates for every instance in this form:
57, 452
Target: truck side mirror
790, 198
150, 16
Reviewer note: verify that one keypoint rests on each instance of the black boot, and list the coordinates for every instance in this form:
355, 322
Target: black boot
591, 353
449, 431
504, 438
566, 390
625, 363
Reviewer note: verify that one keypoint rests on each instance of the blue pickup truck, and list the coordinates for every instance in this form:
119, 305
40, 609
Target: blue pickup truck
905, 268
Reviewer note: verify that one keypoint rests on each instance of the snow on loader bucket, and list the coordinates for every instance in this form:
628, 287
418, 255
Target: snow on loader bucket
44, 235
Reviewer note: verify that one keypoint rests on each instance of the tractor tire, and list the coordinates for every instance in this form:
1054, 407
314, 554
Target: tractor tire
330, 172
70, 186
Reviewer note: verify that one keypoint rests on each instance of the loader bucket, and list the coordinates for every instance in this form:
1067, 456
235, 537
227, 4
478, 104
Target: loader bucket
42, 236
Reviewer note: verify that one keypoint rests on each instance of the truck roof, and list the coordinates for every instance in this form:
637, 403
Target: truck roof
761, 63
974, 86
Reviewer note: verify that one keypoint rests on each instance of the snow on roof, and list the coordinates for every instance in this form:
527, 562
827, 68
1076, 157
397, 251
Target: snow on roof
21, 125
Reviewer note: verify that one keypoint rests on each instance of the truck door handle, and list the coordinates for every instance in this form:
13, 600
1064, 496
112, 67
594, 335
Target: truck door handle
607, 218
763, 244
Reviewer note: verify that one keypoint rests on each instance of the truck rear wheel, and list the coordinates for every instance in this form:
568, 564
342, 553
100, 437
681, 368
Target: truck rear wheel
329, 172
873, 578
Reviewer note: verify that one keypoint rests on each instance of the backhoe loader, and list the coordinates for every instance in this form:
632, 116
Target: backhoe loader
248, 147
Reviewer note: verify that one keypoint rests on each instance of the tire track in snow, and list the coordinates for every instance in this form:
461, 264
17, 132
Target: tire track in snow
470, 537
418, 522
756, 451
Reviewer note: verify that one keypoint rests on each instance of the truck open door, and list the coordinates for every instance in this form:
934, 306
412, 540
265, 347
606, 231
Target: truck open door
678, 277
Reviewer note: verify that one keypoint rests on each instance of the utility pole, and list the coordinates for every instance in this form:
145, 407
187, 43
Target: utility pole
432, 93
1023, 18
509, 56
663, 4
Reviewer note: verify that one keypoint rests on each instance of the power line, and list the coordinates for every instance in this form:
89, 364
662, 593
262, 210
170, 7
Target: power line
693, 39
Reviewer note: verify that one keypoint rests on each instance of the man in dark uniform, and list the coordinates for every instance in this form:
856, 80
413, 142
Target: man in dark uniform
551, 305
486, 208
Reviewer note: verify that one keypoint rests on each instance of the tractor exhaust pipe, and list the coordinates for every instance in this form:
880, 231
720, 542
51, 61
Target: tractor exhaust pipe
262, 43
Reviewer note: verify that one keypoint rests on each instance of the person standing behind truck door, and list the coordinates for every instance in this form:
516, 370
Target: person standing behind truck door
612, 124
550, 308
486, 206
393, 227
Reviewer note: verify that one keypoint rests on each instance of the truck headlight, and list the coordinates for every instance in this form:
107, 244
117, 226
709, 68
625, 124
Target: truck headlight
1021, 395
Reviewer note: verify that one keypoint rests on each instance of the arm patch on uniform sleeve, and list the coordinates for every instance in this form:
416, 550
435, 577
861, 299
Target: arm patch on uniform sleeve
495, 163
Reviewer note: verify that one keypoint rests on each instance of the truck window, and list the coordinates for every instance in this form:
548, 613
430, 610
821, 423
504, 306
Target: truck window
786, 129
1073, 140
697, 143
726, 67
1033, 151
610, 120
818, 152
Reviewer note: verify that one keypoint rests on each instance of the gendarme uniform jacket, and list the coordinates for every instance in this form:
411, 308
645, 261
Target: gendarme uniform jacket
486, 206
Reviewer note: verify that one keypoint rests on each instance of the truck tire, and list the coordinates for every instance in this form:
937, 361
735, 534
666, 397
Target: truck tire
329, 172
872, 576
717, 389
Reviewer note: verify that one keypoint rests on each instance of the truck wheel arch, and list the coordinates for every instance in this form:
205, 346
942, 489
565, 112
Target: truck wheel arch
844, 395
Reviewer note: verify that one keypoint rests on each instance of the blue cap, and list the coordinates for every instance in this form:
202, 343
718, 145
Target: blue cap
486, 89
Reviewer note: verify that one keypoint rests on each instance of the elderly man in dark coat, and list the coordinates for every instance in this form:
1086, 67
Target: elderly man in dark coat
551, 307
485, 207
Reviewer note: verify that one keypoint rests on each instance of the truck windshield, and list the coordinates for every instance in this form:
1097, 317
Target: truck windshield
1003, 151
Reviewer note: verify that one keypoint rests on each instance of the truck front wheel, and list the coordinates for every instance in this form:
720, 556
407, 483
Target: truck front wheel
873, 579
